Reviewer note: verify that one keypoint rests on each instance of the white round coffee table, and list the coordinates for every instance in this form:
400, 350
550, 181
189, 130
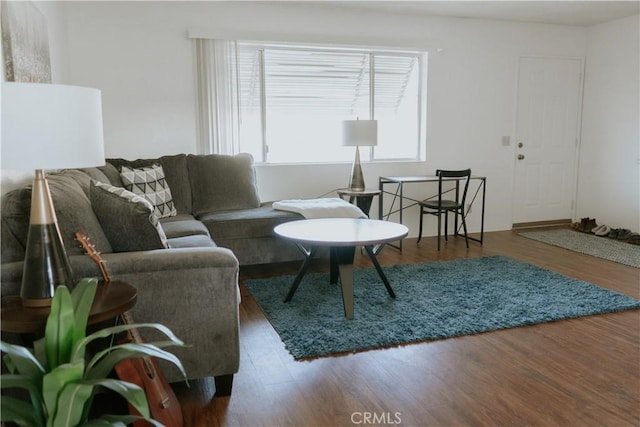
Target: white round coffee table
342, 236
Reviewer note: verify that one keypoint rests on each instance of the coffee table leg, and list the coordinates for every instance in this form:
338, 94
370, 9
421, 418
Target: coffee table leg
308, 256
346, 283
376, 264
344, 256
333, 265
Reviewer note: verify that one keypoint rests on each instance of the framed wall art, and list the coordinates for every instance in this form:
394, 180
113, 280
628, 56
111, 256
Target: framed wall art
25, 42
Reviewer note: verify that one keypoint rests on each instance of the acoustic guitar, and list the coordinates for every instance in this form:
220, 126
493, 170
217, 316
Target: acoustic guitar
163, 403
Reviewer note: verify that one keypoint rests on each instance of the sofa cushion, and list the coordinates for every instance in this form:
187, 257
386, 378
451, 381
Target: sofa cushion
183, 225
222, 182
97, 175
74, 213
175, 171
150, 183
128, 220
112, 173
265, 250
246, 223
16, 206
195, 241
80, 177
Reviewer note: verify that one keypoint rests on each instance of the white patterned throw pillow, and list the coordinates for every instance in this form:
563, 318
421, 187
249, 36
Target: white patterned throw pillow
150, 183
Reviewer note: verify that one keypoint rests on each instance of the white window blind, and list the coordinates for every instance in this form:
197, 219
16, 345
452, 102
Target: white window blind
292, 100
316, 80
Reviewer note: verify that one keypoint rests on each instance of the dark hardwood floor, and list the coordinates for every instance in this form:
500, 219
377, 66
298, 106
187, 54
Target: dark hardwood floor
581, 372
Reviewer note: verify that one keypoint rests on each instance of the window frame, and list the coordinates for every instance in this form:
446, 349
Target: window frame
421, 57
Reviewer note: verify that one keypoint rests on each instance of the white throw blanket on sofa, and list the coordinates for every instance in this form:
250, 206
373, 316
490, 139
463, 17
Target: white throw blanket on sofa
320, 208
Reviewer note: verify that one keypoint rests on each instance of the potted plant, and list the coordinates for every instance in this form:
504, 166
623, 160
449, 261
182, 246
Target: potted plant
61, 378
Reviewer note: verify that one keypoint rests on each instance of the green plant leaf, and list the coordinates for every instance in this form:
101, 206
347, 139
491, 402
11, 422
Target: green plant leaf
82, 298
59, 331
55, 381
81, 345
20, 359
104, 362
103, 353
27, 383
72, 402
40, 352
19, 412
133, 393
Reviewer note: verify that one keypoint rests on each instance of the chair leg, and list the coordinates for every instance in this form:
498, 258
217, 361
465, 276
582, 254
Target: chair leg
420, 228
439, 223
446, 225
464, 226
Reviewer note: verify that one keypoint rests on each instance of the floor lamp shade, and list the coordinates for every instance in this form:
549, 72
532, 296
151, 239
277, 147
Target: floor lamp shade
47, 126
356, 133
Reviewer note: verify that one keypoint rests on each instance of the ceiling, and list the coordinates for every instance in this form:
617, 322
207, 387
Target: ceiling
580, 13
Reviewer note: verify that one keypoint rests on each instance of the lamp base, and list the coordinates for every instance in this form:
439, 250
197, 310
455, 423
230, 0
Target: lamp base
356, 182
46, 264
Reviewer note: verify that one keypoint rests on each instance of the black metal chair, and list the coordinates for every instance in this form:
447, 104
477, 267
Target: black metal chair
440, 206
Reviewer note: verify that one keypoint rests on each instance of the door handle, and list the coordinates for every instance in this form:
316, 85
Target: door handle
520, 156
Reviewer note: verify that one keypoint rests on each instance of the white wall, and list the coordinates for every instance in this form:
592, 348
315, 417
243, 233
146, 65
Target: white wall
609, 179
56, 17
139, 56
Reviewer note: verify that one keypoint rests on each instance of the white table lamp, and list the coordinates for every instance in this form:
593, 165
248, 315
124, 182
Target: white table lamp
46, 126
359, 133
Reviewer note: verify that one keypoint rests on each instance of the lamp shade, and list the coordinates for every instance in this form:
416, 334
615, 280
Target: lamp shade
359, 133
46, 126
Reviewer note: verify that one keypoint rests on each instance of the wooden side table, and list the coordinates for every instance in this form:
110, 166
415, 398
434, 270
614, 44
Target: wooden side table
110, 301
362, 198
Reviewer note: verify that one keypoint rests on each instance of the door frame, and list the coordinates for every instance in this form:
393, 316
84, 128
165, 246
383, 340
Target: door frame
578, 144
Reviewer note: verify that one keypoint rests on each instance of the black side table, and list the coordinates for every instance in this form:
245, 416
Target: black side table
362, 198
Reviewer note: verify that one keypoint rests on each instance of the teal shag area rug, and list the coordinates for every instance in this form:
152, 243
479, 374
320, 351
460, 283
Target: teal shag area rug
589, 244
434, 300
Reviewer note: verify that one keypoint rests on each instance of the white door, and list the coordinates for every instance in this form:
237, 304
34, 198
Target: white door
548, 118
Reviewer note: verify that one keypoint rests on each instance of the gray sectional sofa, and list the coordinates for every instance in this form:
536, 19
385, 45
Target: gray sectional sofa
185, 266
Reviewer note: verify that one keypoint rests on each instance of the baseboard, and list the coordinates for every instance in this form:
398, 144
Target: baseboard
534, 224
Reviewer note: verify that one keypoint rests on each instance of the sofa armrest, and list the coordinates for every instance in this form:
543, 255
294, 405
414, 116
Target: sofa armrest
155, 260
192, 291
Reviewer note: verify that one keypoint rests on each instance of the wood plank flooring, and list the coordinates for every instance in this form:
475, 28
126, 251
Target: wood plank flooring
582, 372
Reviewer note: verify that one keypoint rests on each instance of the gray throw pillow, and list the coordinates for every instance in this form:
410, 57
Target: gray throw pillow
128, 220
74, 213
150, 183
222, 182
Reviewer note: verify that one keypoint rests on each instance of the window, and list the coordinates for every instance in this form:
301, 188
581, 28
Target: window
294, 98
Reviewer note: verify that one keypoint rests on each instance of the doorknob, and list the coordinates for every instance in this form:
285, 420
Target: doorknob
520, 144
520, 156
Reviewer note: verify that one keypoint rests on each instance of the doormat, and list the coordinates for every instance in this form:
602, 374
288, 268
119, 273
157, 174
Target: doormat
589, 244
